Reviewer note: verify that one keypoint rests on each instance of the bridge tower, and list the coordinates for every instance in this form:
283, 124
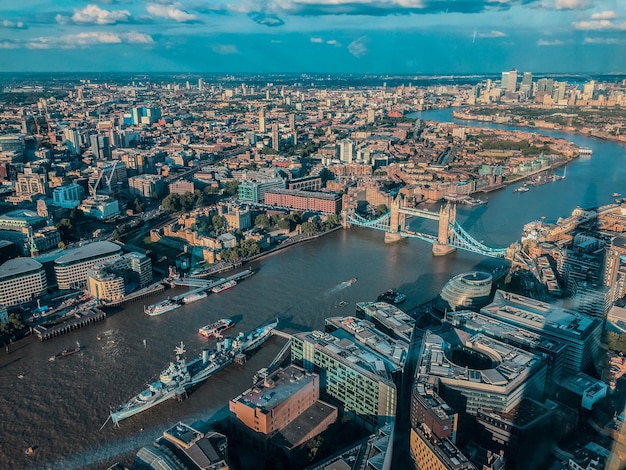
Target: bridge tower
344, 211
393, 235
447, 219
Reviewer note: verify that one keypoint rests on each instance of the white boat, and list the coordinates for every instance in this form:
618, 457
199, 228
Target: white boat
194, 297
521, 189
222, 287
161, 307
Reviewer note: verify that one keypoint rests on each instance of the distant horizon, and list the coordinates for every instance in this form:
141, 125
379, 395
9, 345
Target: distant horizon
408, 37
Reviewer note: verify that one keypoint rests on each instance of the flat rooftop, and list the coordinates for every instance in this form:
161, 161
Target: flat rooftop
89, 250
276, 388
18, 266
358, 356
510, 364
292, 434
479, 323
538, 315
394, 351
390, 317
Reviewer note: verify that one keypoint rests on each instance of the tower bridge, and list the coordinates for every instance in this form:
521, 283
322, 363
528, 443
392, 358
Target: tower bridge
450, 235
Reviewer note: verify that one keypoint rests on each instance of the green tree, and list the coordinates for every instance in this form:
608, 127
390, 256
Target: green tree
218, 223
171, 203
262, 220
295, 217
284, 224
309, 228
230, 187
138, 205
381, 209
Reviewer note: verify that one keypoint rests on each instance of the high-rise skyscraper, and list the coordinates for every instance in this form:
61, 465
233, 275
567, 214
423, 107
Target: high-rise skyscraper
588, 89
275, 136
200, 84
511, 86
346, 151
527, 84
292, 121
262, 128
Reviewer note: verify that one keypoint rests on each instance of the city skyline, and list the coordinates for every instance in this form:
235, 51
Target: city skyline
314, 36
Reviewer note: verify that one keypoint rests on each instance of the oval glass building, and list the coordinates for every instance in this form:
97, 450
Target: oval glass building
466, 291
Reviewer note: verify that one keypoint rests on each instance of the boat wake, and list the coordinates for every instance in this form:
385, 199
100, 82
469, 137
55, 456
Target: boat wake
339, 287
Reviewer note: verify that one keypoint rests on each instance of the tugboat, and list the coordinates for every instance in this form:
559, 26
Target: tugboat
66, 352
392, 296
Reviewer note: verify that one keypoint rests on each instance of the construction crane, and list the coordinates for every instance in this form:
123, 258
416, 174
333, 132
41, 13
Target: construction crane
94, 187
109, 178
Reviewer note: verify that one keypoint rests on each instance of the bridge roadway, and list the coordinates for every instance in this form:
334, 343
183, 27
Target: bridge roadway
419, 213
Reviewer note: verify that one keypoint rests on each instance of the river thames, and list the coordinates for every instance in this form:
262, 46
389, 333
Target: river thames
58, 407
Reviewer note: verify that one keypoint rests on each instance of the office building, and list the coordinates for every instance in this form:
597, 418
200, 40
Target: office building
71, 268
184, 447
262, 128
68, 196
580, 333
480, 372
466, 291
351, 375
255, 191
394, 351
100, 146
552, 350
21, 280
29, 232
527, 426
181, 187
581, 391
433, 432
71, 137
387, 318
111, 280
146, 186
100, 207
284, 407
13, 143
527, 84
328, 203
144, 116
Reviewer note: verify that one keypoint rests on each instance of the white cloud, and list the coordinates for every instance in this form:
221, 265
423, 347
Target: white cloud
358, 47
317, 40
86, 39
604, 15
93, 14
225, 49
571, 4
8, 45
12, 24
596, 25
550, 42
171, 12
492, 34
333, 42
604, 41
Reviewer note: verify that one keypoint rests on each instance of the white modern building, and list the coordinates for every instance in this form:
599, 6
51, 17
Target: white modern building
71, 268
69, 196
21, 280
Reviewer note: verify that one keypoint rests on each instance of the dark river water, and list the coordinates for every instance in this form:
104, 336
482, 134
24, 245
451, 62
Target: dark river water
58, 407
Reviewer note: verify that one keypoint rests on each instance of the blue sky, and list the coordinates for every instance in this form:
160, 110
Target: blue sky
326, 36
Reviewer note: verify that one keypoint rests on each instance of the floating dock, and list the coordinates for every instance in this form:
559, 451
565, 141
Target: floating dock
79, 318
